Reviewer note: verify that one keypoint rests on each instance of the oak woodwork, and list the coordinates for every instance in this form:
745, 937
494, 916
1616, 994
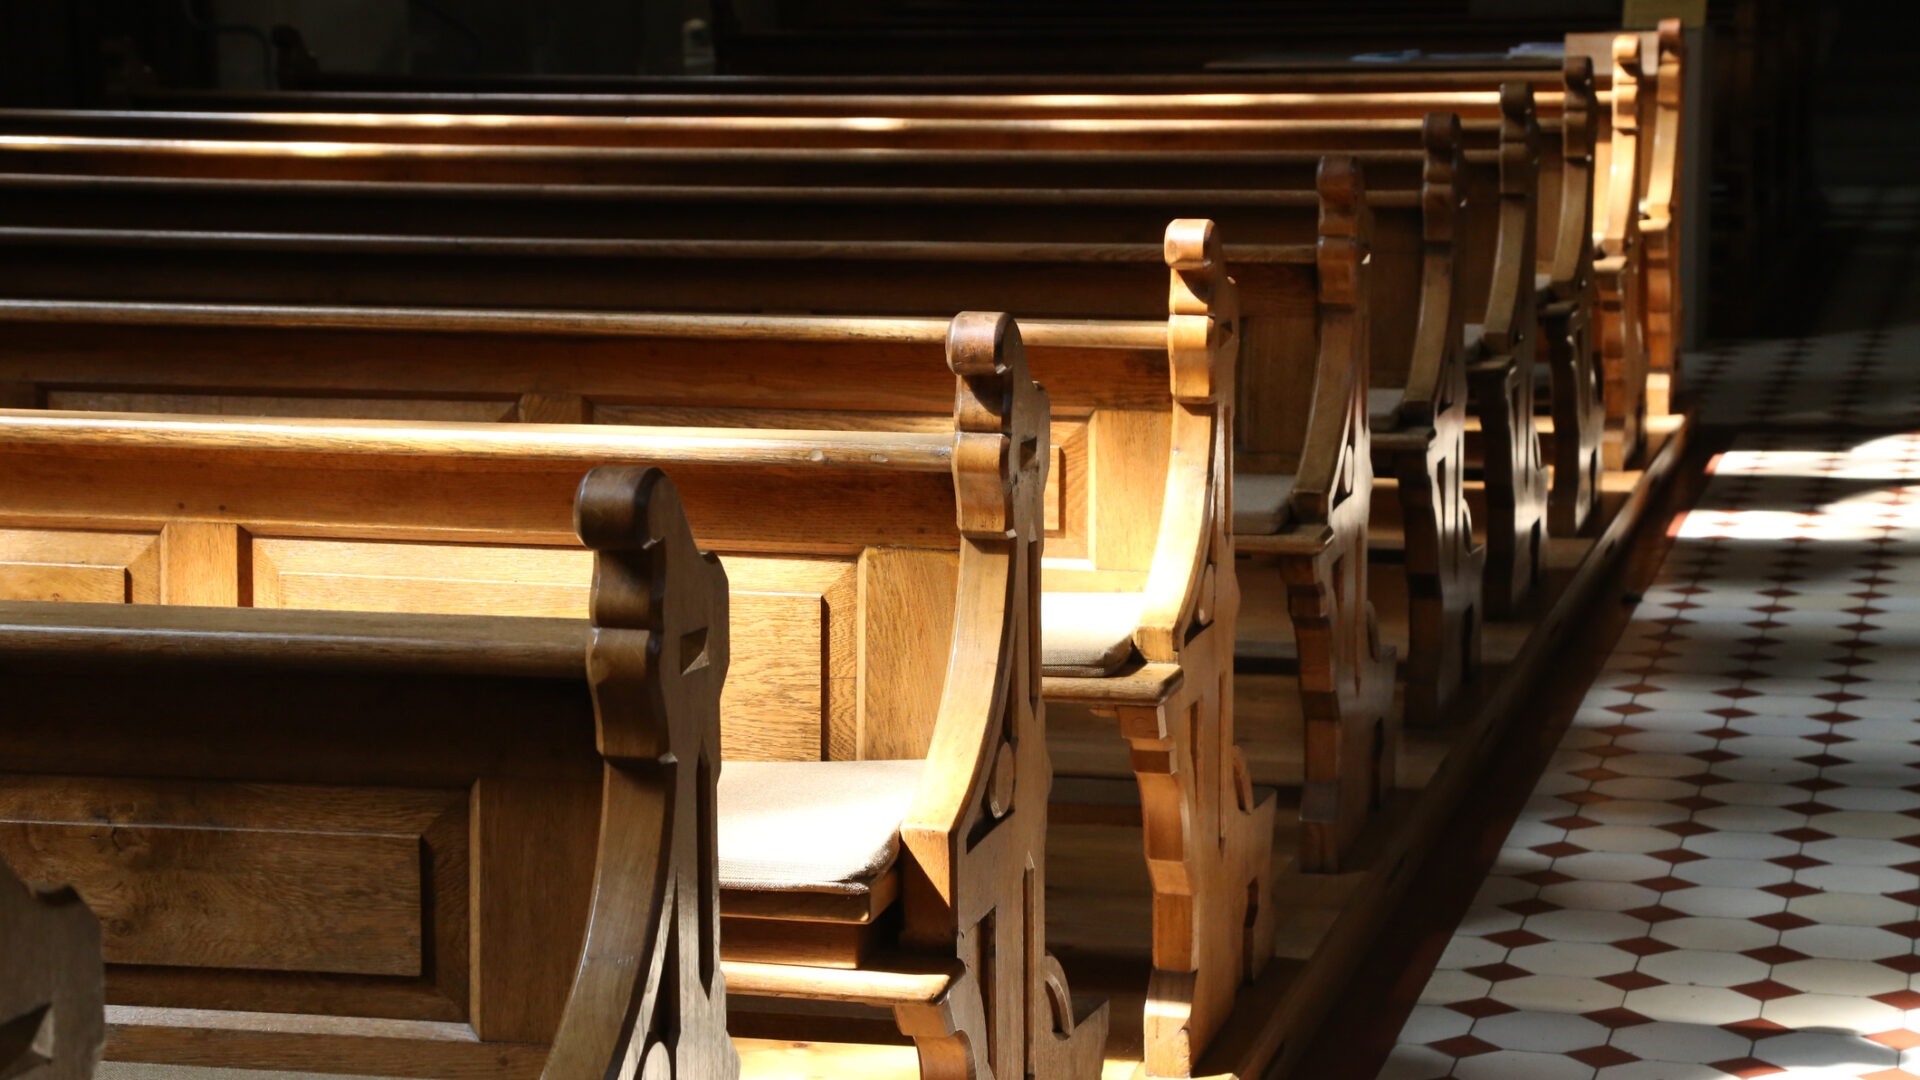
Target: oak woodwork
52, 1011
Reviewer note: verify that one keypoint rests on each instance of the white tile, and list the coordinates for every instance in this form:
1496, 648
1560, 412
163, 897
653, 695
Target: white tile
1664, 766
1590, 926
1760, 819
1765, 770
1701, 968
1739, 794
1854, 978
1466, 950
1513, 861
1520, 1065
1684, 1043
1851, 909
1483, 919
1410, 1061
1740, 845
1717, 902
1447, 986
1644, 787
1629, 839
1666, 742
1501, 889
1532, 833
1599, 895
1733, 873
1866, 824
1432, 1023
1692, 1004
1634, 812
1611, 866
1722, 935
1526, 1029
1831, 1012
1861, 852
1846, 942
1858, 879
1557, 993
1585, 958
1840, 1055
1872, 774
1879, 799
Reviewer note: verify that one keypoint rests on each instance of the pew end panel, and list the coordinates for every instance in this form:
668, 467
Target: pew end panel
52, 993
1568, 309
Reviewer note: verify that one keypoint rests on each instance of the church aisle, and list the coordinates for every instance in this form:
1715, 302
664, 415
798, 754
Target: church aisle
1717, 875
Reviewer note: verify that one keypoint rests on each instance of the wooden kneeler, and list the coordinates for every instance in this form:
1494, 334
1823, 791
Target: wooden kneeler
52, 991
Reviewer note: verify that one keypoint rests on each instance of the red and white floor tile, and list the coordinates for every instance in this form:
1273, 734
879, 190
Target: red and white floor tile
1719, 873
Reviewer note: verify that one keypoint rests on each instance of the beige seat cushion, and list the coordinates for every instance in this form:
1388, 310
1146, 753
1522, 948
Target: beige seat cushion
1383, 406
1087, 635
812, 826
1260, 503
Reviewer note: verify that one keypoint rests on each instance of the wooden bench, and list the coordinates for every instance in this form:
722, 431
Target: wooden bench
1415, 344
1517, 490
836, 545
423, 864
1314, 90
1138, 593
1288, 315
52, 1017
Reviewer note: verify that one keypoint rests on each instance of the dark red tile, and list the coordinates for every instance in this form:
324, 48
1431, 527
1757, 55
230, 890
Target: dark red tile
1730, 713
1756, 1028
1531, 906
1515, 939
1464, 1046
1500, 972
1596, 774
1600, 1057
1572, 821
1558, 848
1789, 889
1654, 913
1815, 784
1810, 807
1685, 828
1643, 946
1803, 835
1765, 990
1824, 761
1696, 803
1544, 878
1714, 755
1898, 1038
1900, 999
1783, 920
1630, 980
1908, 964
1617, 1018
1677, 855
1909, 929
1796, 862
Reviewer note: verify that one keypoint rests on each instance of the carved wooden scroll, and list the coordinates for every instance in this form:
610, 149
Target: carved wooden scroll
1566, 330
1346, 676
1502, 376
1617, 268
52, 984
648, 999
1425, 450
1208, 842
1659, 223
974, 869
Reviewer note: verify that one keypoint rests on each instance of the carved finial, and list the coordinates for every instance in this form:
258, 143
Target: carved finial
1626, 53
1440, 134
1516, 103
1000, 424
1191, 245
1577, 73
1339, 184
1672, 37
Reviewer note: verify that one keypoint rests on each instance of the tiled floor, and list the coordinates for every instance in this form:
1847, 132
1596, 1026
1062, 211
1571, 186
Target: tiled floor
1718, 874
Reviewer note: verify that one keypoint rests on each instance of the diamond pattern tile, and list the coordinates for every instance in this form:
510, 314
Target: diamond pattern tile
1717, 877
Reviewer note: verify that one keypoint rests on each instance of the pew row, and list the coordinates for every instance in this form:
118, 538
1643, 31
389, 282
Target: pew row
52, 1013
930, 911
1288, 316
1138, 591
1416, 347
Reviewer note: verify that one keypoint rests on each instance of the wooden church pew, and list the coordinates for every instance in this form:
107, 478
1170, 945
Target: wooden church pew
277, 868
52, 1001
1416, 344
1291, 317
1516, 501
1137, 501
933, 919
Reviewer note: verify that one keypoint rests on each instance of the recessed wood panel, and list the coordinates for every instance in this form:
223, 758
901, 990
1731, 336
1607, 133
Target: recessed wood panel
237, 898
79, 565
63, 581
